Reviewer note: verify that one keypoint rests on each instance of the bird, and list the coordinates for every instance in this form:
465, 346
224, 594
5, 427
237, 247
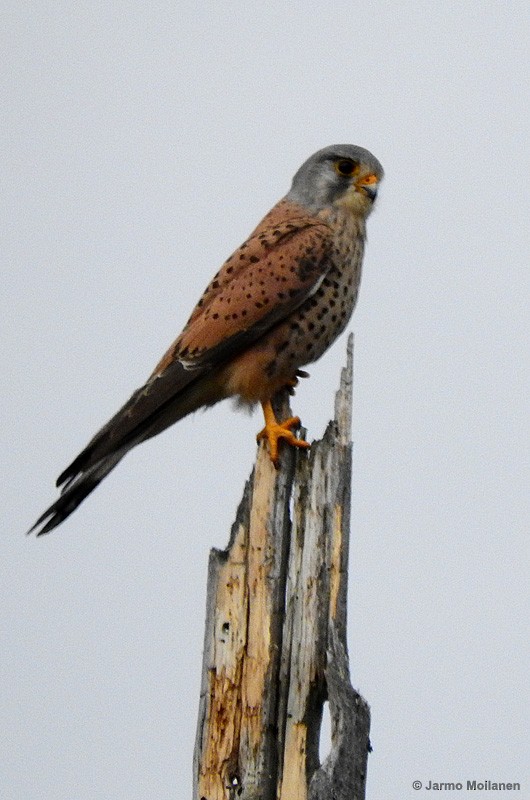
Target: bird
276, 304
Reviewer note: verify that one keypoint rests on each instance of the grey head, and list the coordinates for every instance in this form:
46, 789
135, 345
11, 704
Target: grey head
332, 174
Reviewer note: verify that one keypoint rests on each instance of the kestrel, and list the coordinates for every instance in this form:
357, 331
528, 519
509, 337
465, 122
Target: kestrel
275, 305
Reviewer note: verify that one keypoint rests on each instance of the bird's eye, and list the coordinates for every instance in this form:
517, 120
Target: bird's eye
345, 167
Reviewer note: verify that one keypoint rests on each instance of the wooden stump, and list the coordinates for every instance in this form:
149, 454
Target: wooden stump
275, 641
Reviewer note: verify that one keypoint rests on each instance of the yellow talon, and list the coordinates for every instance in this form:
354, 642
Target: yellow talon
274, 431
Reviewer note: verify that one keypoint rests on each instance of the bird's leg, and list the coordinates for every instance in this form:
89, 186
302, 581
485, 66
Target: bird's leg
291, 385
274, 431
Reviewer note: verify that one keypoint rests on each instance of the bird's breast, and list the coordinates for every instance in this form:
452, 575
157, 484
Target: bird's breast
311, 328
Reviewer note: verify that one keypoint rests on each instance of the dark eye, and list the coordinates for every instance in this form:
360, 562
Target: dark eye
345, 167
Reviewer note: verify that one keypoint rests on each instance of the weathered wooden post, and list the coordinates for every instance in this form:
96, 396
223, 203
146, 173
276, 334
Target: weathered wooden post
275, 640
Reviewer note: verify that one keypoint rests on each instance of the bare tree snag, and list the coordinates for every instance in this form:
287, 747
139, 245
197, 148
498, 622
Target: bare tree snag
275, 641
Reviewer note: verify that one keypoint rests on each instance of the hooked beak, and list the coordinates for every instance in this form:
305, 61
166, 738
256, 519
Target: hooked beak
367, 185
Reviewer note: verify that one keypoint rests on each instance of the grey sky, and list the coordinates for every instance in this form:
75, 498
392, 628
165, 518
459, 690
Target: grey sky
141, 145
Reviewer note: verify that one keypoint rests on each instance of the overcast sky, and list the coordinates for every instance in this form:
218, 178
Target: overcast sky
141, 144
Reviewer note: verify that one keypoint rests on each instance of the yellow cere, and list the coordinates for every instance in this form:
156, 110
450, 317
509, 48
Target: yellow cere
368, 180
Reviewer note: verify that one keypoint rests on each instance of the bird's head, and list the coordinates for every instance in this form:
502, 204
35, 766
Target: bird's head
342, 175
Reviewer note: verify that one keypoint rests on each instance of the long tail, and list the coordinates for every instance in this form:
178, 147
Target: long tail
75, 492
151, 409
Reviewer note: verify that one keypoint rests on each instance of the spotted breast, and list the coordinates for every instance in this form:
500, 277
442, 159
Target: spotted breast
312, 327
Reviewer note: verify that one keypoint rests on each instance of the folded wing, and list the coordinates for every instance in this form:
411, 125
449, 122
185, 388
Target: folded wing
269, 276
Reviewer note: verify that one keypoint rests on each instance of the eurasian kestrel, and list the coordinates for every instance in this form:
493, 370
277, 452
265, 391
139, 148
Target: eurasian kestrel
278, 303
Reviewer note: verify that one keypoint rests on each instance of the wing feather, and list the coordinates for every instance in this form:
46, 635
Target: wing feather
270, 275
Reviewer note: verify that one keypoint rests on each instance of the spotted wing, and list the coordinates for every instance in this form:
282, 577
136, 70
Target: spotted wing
271, 274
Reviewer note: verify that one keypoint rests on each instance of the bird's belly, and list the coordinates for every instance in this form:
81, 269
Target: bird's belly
258, 373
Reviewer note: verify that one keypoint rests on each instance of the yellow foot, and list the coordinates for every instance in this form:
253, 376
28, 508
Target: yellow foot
274, 431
